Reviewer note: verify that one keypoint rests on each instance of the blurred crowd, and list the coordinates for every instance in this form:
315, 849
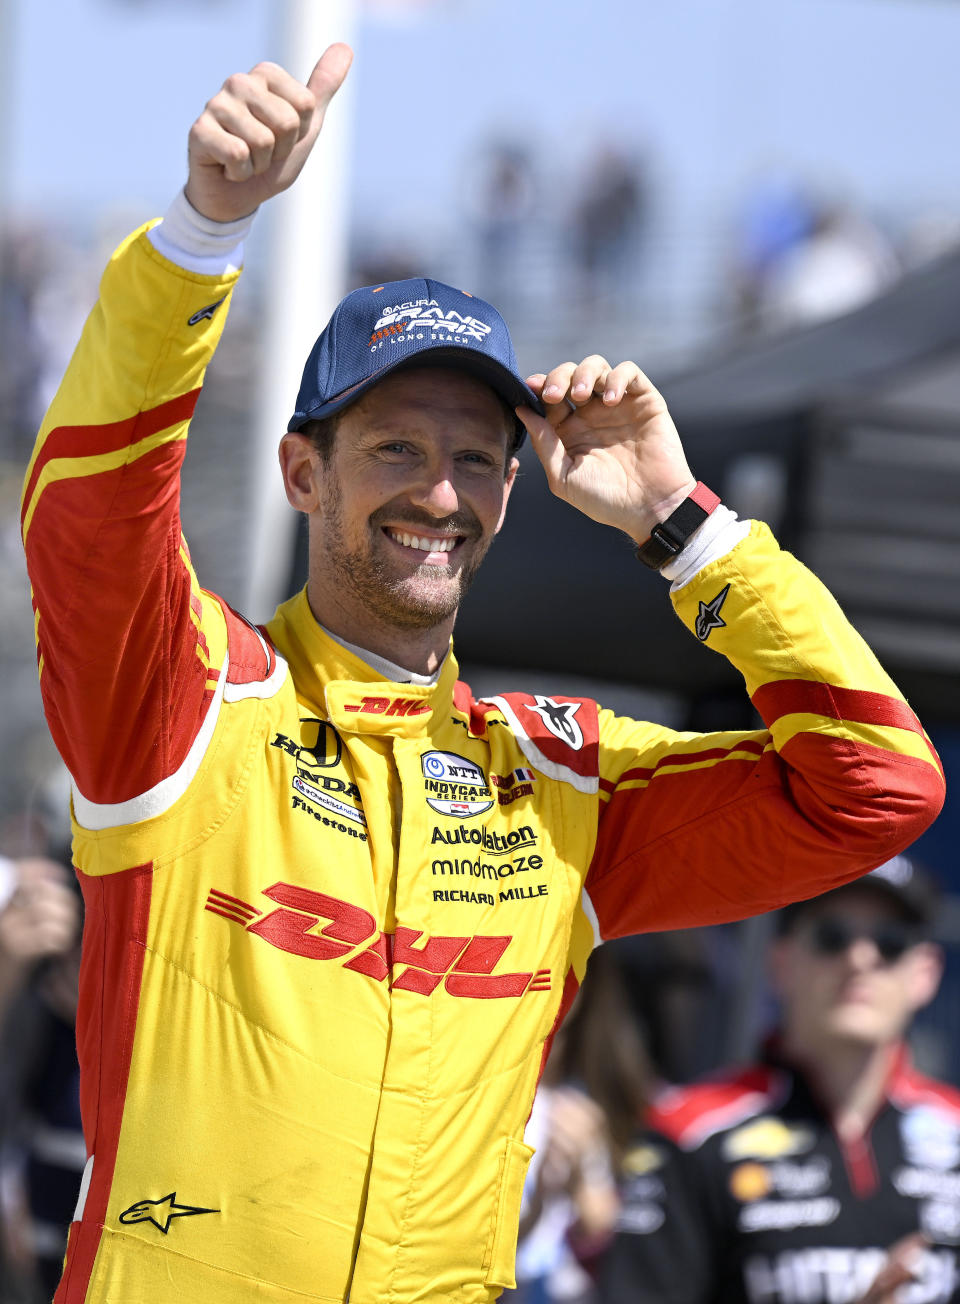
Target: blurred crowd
601, 246
593, 247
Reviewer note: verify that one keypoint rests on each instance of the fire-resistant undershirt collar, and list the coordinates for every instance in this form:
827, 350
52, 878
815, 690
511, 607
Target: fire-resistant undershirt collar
386, 669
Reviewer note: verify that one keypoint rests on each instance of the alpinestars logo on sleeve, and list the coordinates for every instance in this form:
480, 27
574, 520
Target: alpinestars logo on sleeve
161, 1212
709, 618
558, 718
205, 314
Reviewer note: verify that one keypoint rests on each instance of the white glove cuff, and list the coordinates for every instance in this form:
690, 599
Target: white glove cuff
197, 243
721, 531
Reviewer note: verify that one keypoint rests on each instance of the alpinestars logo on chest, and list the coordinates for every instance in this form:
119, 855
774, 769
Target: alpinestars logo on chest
161, 1212
708, 617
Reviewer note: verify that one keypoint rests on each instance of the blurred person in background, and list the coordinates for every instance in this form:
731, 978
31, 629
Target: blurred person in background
39, 962
596, 1084
39, 917
840, 265
24, 262
500, 193
44, 1153
313, 1010
45, 294
674, 983
773, 218
609, 225
828, 1172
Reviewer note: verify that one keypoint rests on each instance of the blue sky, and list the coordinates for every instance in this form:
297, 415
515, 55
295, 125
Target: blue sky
861, 93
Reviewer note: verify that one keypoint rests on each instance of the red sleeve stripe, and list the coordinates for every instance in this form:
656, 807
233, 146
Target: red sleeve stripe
86, 441
805, 697
710, 755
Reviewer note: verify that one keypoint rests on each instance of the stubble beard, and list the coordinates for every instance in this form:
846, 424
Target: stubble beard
419, 601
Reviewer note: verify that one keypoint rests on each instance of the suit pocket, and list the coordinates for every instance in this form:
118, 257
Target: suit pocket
503, 1248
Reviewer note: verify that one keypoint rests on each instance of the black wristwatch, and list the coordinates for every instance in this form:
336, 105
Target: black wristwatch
669, 536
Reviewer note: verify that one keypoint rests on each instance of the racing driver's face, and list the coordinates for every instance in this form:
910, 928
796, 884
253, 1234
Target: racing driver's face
408, 502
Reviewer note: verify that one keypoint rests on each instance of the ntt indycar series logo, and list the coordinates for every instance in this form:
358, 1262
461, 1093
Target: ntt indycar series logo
454, 785
422, 317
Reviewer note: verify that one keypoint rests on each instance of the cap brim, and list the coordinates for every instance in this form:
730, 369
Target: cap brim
514, 392
913, 907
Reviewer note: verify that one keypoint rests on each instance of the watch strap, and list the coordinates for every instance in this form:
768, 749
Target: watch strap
669, 537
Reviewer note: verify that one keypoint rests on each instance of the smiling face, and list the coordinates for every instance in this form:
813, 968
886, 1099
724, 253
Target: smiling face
839, 980
406, 505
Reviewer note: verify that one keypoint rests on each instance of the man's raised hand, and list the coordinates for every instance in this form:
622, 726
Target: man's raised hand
253, 138
608, 444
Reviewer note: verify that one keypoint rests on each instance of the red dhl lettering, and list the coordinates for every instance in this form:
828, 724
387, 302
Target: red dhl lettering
390, 706
321, 927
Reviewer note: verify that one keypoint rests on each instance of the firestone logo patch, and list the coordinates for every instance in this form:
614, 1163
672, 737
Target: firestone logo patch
319, 750
422, 317
454, 785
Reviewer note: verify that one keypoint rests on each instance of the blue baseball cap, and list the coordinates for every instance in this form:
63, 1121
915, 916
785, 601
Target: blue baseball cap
378, 329
902, 881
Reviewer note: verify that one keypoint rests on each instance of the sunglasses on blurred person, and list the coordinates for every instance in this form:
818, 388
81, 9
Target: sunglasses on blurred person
832, 935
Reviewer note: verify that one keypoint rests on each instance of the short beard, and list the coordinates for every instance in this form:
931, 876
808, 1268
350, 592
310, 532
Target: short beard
383, 595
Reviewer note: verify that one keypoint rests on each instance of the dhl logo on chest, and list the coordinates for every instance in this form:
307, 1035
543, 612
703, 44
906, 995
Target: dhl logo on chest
321, 927
389, 706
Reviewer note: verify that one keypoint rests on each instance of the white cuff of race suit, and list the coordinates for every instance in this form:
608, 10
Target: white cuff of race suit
719, 533
197, 243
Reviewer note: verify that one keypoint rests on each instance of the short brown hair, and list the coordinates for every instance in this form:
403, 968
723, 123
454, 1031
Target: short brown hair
321, 432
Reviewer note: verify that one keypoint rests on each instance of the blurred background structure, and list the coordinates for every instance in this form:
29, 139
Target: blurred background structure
756, 201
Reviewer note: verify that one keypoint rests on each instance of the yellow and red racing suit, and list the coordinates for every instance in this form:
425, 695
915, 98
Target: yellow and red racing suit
332, 921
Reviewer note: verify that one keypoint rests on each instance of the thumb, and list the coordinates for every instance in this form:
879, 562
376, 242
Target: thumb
329, 73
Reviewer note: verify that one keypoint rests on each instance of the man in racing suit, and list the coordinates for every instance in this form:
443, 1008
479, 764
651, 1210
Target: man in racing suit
787, 1182
335, 906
